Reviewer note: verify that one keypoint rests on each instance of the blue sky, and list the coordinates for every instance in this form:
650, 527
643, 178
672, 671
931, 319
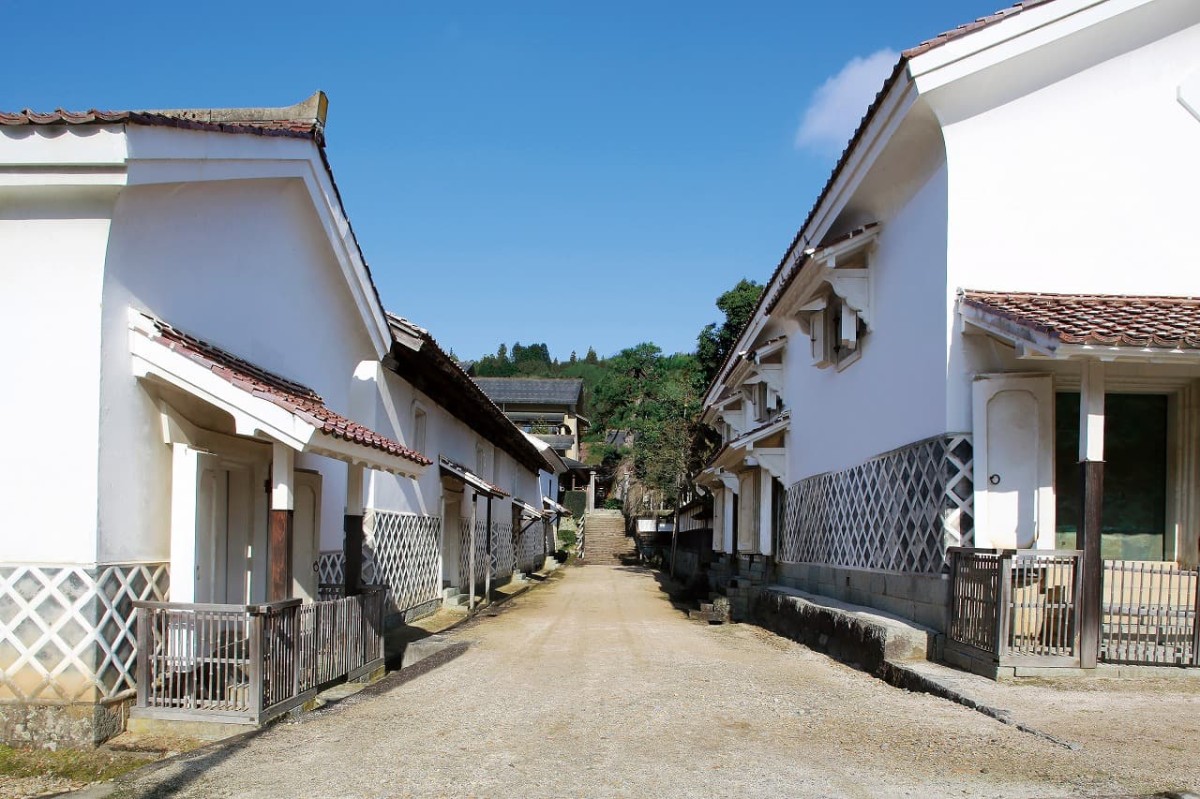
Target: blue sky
579, 174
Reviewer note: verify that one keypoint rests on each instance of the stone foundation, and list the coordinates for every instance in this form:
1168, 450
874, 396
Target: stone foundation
923, 598
850, 633
68, 649
77, 726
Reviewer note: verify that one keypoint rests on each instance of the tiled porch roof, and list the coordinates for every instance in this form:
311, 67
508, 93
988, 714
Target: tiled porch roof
456, 469
1099, 319
287, 394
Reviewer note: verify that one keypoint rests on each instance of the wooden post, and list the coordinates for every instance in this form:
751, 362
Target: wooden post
279, 534
1196, 622
674, 533
1002, 605
1091, 459
185, 472
352, 527
256, 665
487, 574
471, 552
144, 646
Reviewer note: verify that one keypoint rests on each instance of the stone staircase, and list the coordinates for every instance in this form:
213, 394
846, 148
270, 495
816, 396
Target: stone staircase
604, 537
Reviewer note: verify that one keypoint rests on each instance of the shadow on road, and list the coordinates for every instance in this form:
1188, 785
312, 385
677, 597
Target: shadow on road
683, 597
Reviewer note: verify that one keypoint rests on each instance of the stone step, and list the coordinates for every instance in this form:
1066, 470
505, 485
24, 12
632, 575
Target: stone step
710, 616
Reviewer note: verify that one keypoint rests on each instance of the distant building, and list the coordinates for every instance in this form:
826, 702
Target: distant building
545, 407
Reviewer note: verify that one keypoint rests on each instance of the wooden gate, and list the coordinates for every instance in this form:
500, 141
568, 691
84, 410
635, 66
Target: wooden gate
1013, 608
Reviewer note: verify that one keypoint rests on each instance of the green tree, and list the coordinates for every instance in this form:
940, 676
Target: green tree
655, 397
533, 360
716, 340
498, 365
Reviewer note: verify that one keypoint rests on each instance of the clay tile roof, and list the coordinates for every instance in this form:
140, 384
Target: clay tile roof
971, 27
1099, 319
303, 120
288, 394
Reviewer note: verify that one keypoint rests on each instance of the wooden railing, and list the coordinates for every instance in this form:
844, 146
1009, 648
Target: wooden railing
249, 663
1149, 614
1014, 607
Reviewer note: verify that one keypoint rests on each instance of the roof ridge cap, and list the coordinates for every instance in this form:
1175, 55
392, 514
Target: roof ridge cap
313, 110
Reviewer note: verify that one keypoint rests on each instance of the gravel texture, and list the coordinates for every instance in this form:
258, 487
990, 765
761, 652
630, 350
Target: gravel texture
594, 685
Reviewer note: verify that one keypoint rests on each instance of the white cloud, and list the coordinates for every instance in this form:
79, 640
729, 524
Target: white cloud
836, 107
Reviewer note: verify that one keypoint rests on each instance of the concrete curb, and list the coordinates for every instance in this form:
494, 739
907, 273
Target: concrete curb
903, 675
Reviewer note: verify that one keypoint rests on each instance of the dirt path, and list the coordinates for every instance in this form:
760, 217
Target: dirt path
595, 686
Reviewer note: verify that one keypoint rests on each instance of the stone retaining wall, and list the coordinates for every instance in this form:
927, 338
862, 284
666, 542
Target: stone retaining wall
924, 598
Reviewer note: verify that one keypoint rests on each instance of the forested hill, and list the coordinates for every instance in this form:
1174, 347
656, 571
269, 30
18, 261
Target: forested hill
640, 389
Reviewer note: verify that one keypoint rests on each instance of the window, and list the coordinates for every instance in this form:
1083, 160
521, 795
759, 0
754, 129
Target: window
762, 411
836, 330
483, 461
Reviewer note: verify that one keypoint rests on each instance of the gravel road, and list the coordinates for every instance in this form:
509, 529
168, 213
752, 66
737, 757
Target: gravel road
593, 685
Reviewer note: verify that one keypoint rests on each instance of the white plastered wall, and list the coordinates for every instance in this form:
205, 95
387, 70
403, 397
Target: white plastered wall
52, 266
1086, 183
840, 417
245, 265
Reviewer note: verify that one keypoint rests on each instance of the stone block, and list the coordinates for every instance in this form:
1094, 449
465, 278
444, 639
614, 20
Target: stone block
877, 583
932, 590
848, 632
80, 725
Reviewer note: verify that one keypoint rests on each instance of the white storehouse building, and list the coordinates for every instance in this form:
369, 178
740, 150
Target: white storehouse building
1010, 228
204, 402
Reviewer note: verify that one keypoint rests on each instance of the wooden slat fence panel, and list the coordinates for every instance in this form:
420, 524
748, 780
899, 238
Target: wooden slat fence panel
250, 663
1043, 588
1016, 607
194, 658
974, 594
1149, 615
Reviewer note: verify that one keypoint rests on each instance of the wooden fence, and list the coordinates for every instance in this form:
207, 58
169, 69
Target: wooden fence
1149, 614
1020, 608
1014, 607
249, 663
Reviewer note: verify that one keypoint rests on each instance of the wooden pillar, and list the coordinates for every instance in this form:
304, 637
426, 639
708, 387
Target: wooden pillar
1091, 460
487, 575
471, 553
352, 527
279, 533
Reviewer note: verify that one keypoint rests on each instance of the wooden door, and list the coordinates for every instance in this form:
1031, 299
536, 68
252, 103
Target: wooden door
1014, 461
306, 534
